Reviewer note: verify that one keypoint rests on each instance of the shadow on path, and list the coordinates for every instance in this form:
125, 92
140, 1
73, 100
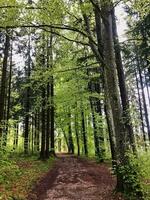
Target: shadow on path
74, 178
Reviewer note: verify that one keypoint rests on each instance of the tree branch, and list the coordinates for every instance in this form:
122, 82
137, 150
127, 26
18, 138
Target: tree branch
54, 26
76, 68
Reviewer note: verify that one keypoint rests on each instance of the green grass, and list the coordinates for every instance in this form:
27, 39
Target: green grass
19, 175
144, 162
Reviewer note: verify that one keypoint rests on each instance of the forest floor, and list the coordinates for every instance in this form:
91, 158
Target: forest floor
75, 178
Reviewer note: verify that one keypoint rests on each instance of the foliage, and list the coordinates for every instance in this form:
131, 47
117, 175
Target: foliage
19, 175
144, 163
54, 40
136, 176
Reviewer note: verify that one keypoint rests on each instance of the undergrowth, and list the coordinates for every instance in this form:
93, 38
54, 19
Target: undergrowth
136, 176
19, 175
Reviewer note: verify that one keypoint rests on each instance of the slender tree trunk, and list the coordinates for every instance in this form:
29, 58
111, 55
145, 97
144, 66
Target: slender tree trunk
99, 88
17, 135
35, 131
147, 86
32, 135
52, 117
9, 95
110, 127
122, 85
27, 103
84, 135
71, 145
52, 109
3, 82
140, 107
38, 131
42, 153
96, 140
66, 139
48, 128
77, 134
144, 98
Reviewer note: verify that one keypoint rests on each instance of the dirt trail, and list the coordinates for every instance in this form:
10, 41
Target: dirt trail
76, 179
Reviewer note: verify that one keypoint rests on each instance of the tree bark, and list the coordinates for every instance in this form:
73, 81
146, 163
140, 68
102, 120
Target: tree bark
9, 96
140, 107
110, 75
77, 134
122, 85
144, 98
96, 140
27, 102
70, 139
84, 135
42, 153
3, 82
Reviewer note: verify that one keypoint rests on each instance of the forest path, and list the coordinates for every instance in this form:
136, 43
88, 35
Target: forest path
74, 178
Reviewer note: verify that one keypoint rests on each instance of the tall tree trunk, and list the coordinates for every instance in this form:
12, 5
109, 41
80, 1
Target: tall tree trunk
122, 85
110, 127
110, 74
140, 107
52, 117
77, 133
35, 131
17, 135
32, 134
52, 108
99, 87
38, 131
66, 139
70, 139
147, 86
3, 82
48, 124
27, 102
84, 135
144, 98
42, 153
9, 95
96, 140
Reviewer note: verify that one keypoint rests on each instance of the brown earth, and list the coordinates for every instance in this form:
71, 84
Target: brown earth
74, 178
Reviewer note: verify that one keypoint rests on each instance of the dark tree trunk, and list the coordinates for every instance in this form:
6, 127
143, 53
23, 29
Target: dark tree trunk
144, 98
111, 135
38, 131
99, 87
52, 108
96, 140
32, 135
59, 145
9, 95
77, 134
52, 117
140, 107
3, 82
42, 153
84, 135
70, 139
48, 126
35, 131
27, 103
17, 135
